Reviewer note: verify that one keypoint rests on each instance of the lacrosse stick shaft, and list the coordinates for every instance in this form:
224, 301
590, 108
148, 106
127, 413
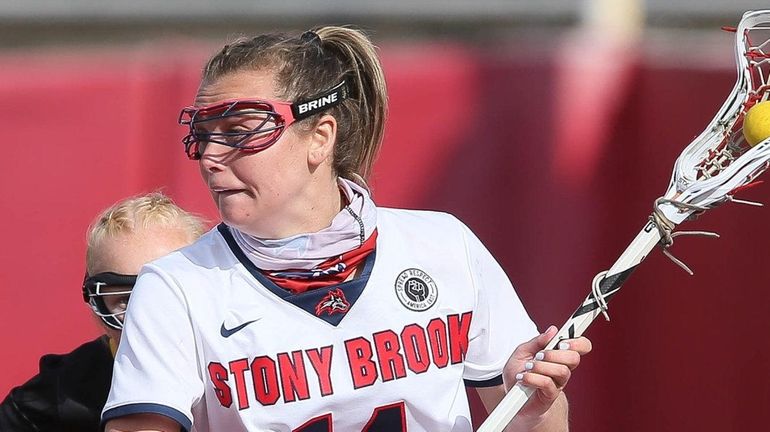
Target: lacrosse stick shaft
609, 283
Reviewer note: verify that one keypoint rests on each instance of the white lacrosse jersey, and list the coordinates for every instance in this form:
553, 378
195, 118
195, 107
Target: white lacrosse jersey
212, 343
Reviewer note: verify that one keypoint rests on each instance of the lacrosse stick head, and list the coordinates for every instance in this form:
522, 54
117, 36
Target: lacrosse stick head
720, 160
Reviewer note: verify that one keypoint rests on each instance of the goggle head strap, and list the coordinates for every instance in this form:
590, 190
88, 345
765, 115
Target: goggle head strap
92, 284
321, 102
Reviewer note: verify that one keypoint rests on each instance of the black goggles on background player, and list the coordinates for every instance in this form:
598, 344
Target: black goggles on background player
107, 293
249, 124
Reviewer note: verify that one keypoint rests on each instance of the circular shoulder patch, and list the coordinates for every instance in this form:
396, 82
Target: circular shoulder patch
416, 290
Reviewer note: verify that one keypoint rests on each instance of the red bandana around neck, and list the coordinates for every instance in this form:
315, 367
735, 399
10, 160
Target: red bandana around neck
330, 272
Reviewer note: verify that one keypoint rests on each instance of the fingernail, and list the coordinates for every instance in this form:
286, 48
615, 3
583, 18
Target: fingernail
519, 377
563, 345
553, 327
540, 356
529, 365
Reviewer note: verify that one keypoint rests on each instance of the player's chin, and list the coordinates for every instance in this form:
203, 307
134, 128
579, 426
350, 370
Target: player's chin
232, 201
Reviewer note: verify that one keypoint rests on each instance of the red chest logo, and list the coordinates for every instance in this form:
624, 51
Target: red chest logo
334, 302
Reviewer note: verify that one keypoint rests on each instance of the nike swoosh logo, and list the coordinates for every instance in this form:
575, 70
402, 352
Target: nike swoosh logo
226, 333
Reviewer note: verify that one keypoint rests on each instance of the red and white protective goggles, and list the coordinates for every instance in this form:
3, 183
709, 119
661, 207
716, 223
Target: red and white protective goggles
249, 124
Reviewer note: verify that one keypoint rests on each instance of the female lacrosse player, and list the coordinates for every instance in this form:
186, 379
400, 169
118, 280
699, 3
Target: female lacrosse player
69, 392
309, 308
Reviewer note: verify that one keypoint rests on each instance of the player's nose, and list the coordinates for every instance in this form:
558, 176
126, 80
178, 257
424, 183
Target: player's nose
214, 156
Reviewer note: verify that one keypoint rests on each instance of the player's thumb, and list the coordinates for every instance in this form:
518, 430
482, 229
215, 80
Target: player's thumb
547, 335
536, 344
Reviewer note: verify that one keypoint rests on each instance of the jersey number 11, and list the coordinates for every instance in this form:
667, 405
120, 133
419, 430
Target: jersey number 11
387, 418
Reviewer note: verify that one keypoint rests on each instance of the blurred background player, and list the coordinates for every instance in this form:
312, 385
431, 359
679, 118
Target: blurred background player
69, 392
310, 308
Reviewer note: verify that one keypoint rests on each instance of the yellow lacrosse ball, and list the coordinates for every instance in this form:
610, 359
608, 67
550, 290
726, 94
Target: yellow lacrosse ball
756, 125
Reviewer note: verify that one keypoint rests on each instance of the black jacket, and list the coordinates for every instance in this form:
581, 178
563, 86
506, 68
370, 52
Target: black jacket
67, 395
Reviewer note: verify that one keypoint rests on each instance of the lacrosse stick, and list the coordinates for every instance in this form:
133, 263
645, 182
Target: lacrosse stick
717, 164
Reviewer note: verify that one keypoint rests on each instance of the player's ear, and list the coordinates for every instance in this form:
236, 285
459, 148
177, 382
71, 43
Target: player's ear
322, 138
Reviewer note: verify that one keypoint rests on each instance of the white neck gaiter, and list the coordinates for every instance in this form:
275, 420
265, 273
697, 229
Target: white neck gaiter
348, 230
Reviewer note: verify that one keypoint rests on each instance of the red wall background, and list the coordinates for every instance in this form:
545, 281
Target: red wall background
481, 133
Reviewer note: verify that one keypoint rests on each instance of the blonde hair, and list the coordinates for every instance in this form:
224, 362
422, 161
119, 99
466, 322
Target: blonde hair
126, 216
314, 62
